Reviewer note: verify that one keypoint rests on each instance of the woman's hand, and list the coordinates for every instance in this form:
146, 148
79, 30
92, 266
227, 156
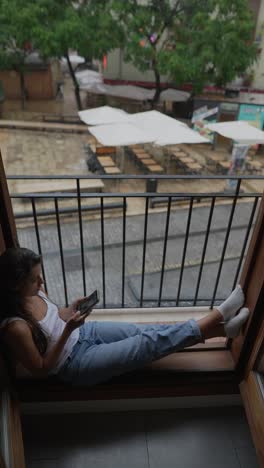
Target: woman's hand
75, 321
75, 305
67, 312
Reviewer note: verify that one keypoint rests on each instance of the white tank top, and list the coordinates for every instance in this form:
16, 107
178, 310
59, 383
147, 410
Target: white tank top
53, 326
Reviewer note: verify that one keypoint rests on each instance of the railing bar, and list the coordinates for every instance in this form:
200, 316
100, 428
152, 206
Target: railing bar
103, 251
124, 252
245, 241
144, 250
136, 176
81, 235
184, 250
61, 252
176, 196
38, 240
48, 212
225, 242
164, 250
204, 249
182, 300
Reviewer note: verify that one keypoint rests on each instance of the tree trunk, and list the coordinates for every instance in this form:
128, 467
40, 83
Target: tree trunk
158, 87
191, 104
22, 88
75, 83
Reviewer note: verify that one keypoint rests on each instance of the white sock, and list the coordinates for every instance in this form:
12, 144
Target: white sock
232, 304
232, 328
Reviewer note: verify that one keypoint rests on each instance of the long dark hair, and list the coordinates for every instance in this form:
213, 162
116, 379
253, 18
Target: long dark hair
15, 267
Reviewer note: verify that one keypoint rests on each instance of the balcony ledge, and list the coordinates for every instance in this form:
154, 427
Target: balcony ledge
150, 314
194, 371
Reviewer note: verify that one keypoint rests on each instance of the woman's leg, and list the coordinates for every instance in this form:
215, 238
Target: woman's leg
109, 332
210, 325
99, 362
96, 361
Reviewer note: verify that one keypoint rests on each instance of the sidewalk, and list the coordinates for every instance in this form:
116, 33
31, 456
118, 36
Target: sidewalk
113, 238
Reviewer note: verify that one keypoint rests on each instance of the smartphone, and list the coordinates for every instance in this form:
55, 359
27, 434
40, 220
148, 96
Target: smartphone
86, 305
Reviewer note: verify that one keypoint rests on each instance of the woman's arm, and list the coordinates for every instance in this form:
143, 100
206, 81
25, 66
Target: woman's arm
18, 338
65, 313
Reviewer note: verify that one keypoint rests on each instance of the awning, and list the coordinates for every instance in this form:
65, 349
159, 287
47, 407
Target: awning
142, 127
239, 131
103, 115
120, 134
138, 93
165, 130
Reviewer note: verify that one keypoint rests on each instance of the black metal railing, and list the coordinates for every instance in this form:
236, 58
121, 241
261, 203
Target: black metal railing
155, 258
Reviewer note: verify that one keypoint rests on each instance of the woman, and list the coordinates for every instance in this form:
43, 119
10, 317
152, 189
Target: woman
41, 339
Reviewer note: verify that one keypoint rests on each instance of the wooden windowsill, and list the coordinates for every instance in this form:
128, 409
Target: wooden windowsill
180, 374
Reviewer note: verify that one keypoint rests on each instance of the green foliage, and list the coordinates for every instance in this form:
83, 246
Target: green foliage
191, 41
54, 27
86, 26
17, 22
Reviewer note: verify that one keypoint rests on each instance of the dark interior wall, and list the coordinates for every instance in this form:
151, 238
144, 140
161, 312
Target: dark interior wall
8, 236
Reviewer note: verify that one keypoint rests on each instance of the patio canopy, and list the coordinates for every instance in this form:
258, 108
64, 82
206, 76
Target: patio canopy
142, 127
103, 115
94, 84
120, 134
74, 59
242, 132
89, 78
165, 130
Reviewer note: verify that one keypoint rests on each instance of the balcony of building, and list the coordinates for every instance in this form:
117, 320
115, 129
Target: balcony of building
155, 256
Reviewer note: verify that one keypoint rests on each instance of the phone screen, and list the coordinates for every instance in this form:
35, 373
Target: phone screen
88, 302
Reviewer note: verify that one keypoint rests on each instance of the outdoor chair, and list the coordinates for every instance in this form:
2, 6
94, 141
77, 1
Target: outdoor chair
92, 164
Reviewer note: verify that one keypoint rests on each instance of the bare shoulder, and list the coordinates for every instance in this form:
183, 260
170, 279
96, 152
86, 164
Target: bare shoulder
17, 328
19, 341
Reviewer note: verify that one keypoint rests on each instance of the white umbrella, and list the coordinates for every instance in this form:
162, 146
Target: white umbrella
239, 131
120, 134
89, 78
74, 59
165, 130
130, 91
142, 127
174, 95
155, 123
103, 115
180, 136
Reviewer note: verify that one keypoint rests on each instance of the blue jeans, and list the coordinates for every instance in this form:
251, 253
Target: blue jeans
107, 349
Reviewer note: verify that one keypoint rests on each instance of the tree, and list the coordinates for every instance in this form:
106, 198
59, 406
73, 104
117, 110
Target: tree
85, 26
191, 41
17, 22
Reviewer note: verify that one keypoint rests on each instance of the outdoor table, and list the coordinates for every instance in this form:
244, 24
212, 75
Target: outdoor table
194, 166
112, 170
148, 161
143, 156
105, 161
186, 159
155, 168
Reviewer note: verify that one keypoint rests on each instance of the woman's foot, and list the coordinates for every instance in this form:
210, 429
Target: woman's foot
233, 326
232, 304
